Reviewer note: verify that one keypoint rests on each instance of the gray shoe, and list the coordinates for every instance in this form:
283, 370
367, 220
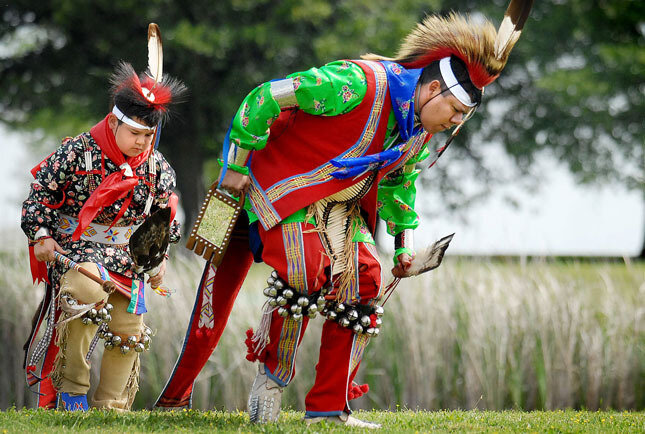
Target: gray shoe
265, 398
343, 419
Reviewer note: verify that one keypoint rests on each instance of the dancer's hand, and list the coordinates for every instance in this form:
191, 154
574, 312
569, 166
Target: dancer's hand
235, 183
156, 280
45, 247
400, 269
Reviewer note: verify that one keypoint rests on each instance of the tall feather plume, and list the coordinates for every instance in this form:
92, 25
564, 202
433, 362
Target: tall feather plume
511, 27
155, 53
484, 50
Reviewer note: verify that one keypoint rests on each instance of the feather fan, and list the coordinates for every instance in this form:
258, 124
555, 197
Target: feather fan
430, 259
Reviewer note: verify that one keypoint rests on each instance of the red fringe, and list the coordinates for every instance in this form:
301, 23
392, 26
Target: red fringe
357, 390
251, 355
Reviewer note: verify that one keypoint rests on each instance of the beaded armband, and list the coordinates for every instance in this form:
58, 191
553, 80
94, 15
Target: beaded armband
403, 243
234, 167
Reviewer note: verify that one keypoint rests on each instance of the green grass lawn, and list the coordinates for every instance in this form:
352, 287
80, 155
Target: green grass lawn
291, 421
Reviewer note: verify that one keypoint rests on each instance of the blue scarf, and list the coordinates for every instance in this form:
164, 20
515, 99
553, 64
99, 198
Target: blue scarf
402, 84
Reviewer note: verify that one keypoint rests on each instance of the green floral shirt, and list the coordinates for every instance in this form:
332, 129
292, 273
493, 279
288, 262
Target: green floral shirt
333, 89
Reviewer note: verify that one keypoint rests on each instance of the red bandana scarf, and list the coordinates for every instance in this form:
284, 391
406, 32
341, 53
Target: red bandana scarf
115, 186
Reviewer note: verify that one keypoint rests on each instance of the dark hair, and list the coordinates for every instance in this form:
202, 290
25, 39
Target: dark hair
131, 108
126, 94
432, 72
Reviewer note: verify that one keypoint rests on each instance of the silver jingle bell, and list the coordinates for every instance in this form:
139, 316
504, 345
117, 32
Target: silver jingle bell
270, 291
97, 320
145, 339
116, 340
379, 311
312, 313
281, 300
370, 331
297, 317
139, 348
283, 312
321, 302
312, 308
92, 313
344, 322
287, 293
376, 332
132, 341
332, 315
147, 330
379, 321
71, 301
108, 336
109, 307
279, 284
358, 329
125, 349
273, 302
303, 301
352, 315
108, 345
270, 281
102, 313
274, 274
296, 309
107, 318
86, 320
101, 334
340, 308
365, 320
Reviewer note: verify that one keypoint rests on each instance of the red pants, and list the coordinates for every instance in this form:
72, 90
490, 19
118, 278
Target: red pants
299, 258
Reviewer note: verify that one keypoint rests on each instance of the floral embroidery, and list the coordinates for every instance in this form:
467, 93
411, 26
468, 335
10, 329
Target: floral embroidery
343, 65
407, 184
404, 107
297, 82
260, 100
396, 69
318, 81
245, 115
391, 225
347, 93
320, 105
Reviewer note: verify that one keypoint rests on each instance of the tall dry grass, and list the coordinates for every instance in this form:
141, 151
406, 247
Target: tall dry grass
471, 334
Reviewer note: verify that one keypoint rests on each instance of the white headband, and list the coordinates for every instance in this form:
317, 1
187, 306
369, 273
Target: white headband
134, 124
452, 83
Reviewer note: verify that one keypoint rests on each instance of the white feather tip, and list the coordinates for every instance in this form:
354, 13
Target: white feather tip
155, 53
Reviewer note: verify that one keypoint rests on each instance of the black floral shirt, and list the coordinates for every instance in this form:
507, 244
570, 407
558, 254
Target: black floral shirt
63, 184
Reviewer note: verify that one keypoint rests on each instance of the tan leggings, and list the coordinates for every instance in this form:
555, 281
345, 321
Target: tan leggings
118, 382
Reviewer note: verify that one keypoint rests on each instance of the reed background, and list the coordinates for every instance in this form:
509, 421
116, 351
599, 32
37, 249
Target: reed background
475, 333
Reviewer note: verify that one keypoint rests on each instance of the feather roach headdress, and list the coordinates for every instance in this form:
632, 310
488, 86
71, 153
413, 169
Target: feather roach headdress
483, 50
147, 96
